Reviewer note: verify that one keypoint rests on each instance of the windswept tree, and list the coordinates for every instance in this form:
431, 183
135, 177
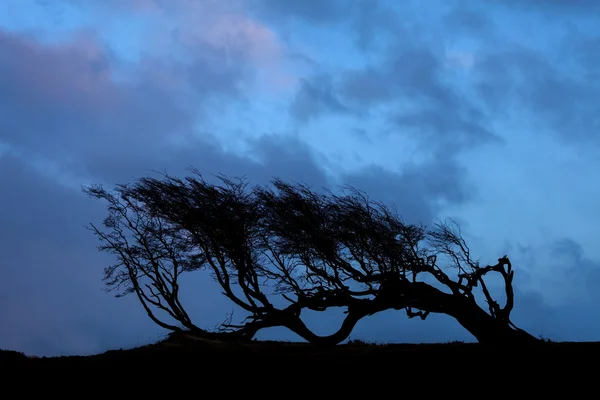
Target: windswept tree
284, 241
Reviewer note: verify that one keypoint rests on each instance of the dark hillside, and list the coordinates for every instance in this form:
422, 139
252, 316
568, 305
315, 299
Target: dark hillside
185, 348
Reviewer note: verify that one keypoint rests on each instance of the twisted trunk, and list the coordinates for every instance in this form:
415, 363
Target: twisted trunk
485, 328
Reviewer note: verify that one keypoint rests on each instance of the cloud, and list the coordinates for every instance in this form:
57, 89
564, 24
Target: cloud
326, 11
544, 75
449, 111
411, 85
419, 192
73, 121
65, 106
557, 292
374, 21
316, 98
52, 301
561, 98
367, 22
561, 270
468, 20
67, 103
556, 5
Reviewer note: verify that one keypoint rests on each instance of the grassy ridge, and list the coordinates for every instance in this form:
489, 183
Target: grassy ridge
185, 348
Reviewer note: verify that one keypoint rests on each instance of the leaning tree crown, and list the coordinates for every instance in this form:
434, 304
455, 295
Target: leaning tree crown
314, 250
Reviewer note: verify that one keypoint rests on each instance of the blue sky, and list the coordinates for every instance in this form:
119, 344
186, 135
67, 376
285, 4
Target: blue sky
483, 111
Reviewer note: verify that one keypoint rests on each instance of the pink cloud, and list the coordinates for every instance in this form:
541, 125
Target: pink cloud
223, 25
68, 92
76, 70
253, 41
236, 32
81, 72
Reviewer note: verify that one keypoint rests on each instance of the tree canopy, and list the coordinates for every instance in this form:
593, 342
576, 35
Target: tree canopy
285, 241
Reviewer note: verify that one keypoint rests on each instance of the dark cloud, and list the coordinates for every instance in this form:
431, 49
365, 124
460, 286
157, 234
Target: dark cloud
324, 11
419, 191
558, 95
539, 318
316, 97
553, 84
426, 105
368, 87
375, 20
555, 5
562, 268
585, 52
571, 279
467, 20
580, 271
221, 77
52, 300
64, 104
369, 20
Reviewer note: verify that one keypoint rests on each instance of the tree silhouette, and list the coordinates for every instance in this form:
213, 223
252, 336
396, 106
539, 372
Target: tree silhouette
316, 250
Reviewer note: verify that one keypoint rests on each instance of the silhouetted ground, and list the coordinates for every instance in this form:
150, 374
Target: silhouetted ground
184, 348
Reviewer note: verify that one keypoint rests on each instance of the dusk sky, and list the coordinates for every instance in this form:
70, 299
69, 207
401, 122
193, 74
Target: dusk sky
485, 111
